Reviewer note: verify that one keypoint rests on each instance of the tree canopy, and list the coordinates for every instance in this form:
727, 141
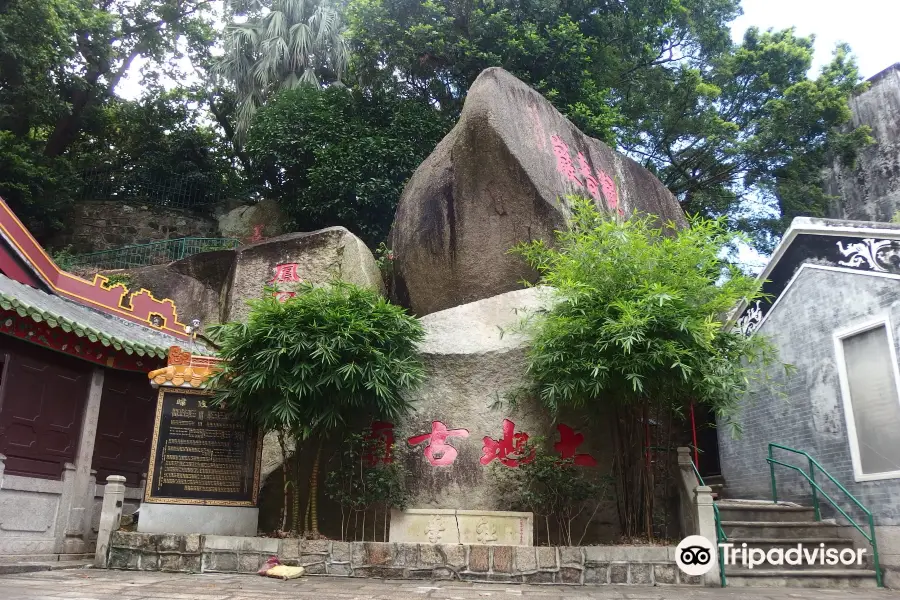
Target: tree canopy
639, 333
336, 157
316, 364
740, 130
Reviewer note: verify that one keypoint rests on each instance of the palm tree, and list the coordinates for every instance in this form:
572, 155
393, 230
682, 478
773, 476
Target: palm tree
283, 44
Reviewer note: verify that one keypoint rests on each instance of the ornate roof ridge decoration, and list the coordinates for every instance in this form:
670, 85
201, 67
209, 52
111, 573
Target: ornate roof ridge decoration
854, 247
56, 322
185, 370
138, 307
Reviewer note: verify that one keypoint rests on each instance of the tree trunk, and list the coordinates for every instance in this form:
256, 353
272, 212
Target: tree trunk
313, 494
634, 497
296, 525
284, 465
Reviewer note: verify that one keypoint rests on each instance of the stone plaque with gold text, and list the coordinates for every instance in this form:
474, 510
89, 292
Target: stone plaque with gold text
201, 455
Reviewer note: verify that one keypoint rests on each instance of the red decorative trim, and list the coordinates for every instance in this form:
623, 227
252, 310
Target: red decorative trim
11, 266
54, 338
137, 307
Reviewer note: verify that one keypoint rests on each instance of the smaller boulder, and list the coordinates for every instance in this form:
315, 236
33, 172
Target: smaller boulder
286, 260
195, 284
253, 223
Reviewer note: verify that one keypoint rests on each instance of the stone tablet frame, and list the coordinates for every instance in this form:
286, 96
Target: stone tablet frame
157, 424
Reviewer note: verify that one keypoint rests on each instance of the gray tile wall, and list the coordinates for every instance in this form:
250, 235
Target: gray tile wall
811, 417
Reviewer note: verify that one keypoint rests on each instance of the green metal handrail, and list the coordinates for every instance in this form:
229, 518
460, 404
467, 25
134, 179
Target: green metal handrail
816, 489
163, 251
721, 538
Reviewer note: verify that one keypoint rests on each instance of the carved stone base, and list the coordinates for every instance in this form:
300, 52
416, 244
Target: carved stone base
449, 526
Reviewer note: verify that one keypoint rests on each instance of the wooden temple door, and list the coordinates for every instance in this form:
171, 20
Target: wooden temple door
42, 400
125, 426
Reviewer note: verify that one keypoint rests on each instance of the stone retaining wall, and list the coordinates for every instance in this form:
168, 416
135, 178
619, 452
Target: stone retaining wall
591, 565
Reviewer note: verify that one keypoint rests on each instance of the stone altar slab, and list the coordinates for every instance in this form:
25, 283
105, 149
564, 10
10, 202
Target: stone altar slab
451, 526
204, 469
207, 520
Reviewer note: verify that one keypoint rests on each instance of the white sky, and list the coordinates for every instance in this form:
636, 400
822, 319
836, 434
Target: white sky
871, 27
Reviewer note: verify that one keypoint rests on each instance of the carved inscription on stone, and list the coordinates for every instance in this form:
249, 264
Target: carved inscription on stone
202, 455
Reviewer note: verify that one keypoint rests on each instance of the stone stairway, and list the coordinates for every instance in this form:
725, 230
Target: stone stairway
764, 525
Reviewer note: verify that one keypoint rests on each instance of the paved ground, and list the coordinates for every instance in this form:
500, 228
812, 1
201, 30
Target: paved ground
86, 584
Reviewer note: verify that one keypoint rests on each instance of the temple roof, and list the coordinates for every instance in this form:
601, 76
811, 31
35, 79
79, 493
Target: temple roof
85, 322
184, 370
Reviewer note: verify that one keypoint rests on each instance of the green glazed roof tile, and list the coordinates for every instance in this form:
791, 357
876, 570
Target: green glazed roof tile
86, 322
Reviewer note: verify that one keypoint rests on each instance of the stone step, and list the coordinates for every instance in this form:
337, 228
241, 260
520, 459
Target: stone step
42, 558
795, 531
745, 511
32, 567
801, 578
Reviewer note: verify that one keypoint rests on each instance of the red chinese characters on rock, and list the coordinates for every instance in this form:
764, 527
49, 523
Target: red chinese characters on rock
509, 449
285, 273
257, 235
567, 446
608, 186
438, 452
564, 160
601, 184
381, 432
592, 186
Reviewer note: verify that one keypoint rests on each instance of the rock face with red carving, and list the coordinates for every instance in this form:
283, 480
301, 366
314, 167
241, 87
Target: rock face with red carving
284, 261
462, 428
497, 179
215, 286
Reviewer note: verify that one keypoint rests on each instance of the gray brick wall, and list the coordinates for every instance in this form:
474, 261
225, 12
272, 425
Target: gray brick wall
811, 417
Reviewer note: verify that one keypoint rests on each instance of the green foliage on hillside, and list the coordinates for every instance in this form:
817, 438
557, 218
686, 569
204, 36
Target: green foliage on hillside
341, 157
735, 130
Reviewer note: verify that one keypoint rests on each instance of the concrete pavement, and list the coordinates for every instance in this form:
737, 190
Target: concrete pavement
89, 584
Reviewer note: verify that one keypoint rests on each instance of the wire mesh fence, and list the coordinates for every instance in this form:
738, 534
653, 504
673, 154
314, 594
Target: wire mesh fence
189, 192
154, 253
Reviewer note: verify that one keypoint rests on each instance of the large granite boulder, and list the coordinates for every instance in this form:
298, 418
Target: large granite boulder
475, 356
495, 180
254, 222
215, 286
314, 257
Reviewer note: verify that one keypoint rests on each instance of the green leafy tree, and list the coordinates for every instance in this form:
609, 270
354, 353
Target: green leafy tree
640, 332
157, 146
61, 62
105, 40
367, 479
588, 58
556, 490
750, 136
280, 45
340, 157
317, 363
738, 130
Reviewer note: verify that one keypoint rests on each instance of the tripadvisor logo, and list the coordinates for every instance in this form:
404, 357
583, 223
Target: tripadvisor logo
696, 555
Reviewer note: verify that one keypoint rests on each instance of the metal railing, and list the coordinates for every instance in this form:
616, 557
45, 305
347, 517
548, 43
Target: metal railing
816, 490
721, 538
154, 253
138, 186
